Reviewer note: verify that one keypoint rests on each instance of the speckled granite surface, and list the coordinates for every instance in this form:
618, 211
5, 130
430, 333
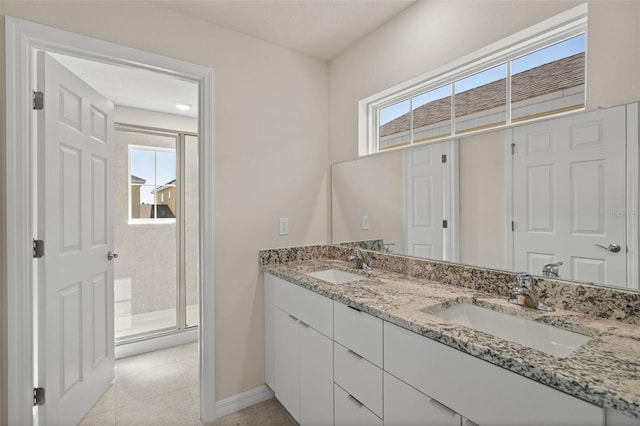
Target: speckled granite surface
605, 371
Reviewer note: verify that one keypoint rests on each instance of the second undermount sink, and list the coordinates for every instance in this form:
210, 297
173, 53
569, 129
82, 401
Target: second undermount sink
551, 340
336, 276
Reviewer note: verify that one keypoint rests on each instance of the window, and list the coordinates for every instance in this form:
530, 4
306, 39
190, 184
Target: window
539, 76
153, 174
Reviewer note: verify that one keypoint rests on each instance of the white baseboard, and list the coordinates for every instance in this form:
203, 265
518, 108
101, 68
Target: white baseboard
243, 400
124, 350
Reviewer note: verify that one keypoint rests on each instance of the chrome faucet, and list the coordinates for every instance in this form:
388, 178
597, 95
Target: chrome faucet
358, 258
552, 270
524, 294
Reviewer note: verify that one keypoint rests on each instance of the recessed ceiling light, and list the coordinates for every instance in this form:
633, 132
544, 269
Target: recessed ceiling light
183, 107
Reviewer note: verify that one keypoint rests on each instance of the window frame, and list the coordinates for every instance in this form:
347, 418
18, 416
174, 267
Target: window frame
554, 30
155, 149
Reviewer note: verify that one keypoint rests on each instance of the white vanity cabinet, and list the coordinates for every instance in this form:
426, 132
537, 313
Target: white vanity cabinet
329, 364
481, 391
615, 418
299, 350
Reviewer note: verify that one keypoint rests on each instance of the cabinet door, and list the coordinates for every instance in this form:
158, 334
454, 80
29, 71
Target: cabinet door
615, 418
405, 406
316, 377
269, 332
286, 362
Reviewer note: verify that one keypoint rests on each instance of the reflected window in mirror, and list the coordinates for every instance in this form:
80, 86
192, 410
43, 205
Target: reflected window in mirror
481, 100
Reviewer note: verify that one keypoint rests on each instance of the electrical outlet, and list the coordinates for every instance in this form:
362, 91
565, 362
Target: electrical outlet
284, 226
365, 222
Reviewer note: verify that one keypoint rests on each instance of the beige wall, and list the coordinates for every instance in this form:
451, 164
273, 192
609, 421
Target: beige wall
428, 35
270, 107
482, 200
369, 186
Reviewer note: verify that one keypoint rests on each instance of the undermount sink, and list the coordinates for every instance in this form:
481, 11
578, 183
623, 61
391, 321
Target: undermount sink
336, 276
551, 340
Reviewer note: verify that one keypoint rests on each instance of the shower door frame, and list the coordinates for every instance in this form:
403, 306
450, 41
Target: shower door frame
180, 223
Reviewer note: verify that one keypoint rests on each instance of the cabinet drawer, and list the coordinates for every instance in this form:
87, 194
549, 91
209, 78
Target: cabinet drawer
359, 377
358, 331
460, 382
405, 406
349, 411
311, 308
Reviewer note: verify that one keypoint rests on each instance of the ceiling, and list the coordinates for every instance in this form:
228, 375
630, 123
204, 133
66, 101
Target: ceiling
318, 28
134, 87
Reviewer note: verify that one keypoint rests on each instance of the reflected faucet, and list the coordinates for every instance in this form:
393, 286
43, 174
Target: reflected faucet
524, 294
358, 258
552, 270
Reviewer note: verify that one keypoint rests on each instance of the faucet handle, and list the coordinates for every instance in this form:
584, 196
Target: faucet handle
525, 280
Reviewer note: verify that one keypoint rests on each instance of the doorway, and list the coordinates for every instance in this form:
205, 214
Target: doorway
24, 39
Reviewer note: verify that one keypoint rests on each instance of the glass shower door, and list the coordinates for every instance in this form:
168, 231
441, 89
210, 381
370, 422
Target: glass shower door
156, 233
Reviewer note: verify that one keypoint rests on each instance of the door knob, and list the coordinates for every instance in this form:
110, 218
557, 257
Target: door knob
613, 247
111, 255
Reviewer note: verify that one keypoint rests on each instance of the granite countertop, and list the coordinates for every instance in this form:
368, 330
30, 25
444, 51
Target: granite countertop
604, 371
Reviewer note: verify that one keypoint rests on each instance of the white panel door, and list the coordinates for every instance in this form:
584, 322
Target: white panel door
75, 139
424, 201
570, 196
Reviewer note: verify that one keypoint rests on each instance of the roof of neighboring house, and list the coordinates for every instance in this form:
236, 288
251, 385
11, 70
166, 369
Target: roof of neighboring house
164, 212
169, 184
547, 78
137, 180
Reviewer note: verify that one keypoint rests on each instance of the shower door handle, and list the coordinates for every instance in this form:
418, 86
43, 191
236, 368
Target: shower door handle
111, 255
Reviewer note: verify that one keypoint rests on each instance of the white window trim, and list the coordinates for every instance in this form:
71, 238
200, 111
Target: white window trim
145, 221
561, 27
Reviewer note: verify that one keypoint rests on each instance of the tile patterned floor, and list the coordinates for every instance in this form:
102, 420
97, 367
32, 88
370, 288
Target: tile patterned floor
161, 388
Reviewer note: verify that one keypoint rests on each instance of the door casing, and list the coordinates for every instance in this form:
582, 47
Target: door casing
22, 40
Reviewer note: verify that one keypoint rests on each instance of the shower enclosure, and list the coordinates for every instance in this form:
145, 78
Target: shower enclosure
156, 232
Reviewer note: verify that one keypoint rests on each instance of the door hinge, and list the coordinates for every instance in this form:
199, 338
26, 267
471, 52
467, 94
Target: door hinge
38, 249
513, 149
444, 158
38, 396
445, 224
38, 100
513, 226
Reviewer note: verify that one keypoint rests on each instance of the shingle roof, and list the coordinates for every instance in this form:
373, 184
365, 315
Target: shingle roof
547, 78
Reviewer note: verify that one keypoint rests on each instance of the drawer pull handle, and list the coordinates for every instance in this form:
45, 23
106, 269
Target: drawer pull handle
444, 407
293, 318
354, 308
304, 324
354, 354
355, 400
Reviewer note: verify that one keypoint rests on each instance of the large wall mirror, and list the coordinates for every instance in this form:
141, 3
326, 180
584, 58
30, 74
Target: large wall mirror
557, 197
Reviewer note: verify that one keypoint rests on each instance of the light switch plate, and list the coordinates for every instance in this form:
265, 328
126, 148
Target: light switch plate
284, 226
365, 222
